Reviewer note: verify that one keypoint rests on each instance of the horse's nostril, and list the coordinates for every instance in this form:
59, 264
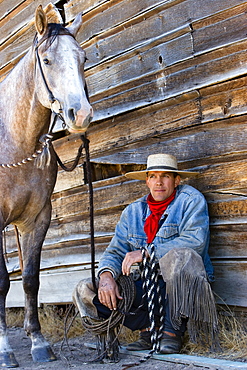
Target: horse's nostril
71, 114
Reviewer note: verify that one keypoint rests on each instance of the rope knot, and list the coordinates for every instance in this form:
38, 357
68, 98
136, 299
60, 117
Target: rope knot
45, 140
44, 159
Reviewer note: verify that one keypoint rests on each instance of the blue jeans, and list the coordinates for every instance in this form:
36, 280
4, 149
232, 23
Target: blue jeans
140, 320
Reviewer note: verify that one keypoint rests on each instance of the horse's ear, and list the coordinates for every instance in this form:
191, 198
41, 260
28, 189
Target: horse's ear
40, 20
75, 26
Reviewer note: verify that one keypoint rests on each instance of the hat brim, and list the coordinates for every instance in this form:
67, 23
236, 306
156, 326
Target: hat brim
142, 175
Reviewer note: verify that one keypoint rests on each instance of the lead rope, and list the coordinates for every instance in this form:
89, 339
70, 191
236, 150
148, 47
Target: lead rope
91, 208
88, 177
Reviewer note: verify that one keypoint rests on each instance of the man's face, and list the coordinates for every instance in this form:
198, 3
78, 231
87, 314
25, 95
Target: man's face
161, 184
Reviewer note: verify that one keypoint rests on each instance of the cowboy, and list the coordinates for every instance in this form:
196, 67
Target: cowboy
172, 223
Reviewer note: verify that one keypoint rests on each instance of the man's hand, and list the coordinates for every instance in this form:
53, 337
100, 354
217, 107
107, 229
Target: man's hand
108, 292
130, 259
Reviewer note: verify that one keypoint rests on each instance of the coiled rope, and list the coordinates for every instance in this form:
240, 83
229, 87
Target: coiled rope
107, 330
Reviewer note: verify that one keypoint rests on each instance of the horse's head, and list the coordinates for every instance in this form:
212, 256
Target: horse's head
60, 77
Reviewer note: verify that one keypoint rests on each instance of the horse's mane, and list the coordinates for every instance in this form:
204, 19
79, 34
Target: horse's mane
54, 29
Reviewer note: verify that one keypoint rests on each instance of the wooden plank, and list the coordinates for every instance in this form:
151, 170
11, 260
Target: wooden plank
55, 287
202, 71
53, 260
7, 6
170, 115
194, 147
123, 29
225, 271
69, 235
120, 24
224, 100
218, 101
189, 360
156, 55
115, 11
65, 230
202, 9
214, 141
225, 178
228, 241
77, 203
73, 7
220, 29
66, 180
231, 282
227, 209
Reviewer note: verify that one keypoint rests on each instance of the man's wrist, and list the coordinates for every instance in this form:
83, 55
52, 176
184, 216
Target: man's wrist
106, 272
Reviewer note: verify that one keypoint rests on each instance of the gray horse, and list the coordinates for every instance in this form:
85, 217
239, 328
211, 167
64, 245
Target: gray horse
49, 78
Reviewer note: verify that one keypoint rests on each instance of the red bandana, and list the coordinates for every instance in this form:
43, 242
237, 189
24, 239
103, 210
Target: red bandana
157, 209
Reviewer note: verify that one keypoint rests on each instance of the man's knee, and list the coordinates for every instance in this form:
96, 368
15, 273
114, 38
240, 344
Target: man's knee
83, 296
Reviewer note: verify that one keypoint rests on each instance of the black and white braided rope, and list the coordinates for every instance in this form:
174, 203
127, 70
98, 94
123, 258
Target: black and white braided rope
45, 144
151, 287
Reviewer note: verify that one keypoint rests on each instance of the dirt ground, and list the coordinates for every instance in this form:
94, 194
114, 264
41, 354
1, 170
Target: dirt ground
78, 356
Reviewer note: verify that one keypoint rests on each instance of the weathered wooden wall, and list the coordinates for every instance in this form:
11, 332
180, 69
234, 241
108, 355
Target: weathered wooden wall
163, 76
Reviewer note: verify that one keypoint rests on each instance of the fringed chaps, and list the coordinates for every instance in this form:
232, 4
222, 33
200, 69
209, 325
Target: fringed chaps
189, 294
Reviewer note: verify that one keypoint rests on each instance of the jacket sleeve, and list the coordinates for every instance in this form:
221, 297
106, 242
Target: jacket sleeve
114, 254
191, 231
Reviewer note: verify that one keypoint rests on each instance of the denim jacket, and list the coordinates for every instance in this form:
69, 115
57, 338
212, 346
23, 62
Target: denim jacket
185, 223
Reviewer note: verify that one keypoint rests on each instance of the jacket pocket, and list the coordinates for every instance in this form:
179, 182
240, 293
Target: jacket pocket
136, 242
168, 231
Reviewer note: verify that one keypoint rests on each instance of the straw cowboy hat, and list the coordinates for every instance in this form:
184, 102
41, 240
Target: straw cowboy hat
160, 162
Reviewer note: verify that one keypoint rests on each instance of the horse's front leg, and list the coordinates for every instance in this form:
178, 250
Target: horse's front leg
7, 357
31, 247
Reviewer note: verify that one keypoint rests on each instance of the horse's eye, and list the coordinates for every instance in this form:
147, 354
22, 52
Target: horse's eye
46, 61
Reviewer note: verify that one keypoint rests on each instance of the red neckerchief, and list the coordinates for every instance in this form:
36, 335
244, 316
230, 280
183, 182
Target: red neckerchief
157, 209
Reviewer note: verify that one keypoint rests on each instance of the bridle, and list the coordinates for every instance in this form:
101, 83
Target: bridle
51, 97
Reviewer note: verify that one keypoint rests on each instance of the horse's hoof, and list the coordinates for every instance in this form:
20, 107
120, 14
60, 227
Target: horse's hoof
7, 359
43, 354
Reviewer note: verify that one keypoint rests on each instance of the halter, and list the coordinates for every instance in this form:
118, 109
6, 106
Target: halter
51, 97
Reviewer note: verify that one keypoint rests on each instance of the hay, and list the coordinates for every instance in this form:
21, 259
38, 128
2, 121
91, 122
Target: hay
232, 338
52, 321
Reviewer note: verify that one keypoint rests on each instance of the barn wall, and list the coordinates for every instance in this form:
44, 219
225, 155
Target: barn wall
163, 76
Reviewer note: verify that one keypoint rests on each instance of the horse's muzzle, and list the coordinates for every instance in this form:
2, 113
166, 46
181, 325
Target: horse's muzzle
80, 124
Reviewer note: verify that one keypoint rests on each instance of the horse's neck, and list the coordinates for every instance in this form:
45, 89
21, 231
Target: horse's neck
25, 119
